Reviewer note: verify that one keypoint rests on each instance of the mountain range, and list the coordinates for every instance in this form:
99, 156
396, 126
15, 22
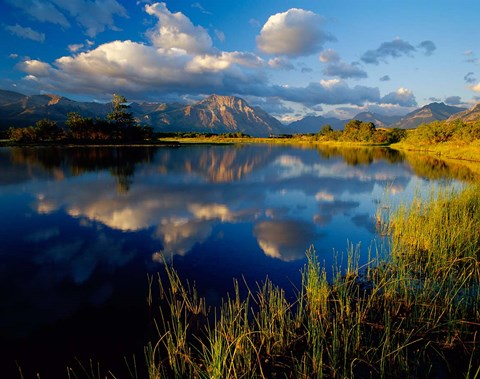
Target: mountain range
427, 113
467, 115
312, 124
21, 110
380, 120
217, 114
214, 114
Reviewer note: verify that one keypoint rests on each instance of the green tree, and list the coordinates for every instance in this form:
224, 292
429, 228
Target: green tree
48, 130
43, 130
326, 130
22, 134
80, 128
396, 135
358, 131
119, 114
366, 131
123, 124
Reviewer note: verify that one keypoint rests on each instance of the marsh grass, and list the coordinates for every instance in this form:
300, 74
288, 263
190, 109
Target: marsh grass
412, 314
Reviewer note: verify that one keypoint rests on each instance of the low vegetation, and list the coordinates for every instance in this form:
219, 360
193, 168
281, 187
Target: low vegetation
362, 132
200, 135
355, 133
412, 313
452, 139
436, 132
119, 126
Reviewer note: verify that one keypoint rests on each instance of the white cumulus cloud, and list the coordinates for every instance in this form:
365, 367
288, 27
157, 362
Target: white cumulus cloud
475, 87
181, 60
74, 47
280, 63
296, 32
35, 67
175, 30
132, 68
403, 97
328, 56
334, 91
222, 61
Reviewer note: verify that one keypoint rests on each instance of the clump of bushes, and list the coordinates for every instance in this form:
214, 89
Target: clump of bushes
118, 126
361, 132
43, 130
437, 132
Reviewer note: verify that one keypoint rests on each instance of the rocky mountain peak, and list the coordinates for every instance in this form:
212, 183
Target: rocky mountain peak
428, 113
468, 115
55, 99
380, 120
220, 114
219, 101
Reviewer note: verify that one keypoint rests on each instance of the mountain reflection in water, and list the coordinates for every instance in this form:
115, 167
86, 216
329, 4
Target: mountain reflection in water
81, 227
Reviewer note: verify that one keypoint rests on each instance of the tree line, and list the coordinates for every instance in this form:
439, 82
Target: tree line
436, 132
362, 131
119, 125
357, 131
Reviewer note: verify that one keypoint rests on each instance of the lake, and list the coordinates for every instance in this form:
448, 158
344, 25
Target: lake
81, 228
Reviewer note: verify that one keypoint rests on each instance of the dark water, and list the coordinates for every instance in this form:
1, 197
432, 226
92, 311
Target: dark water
81, 228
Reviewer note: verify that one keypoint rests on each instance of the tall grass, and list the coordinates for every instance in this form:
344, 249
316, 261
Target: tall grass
413, 314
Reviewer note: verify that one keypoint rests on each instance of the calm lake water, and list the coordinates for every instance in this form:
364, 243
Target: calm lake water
80, 229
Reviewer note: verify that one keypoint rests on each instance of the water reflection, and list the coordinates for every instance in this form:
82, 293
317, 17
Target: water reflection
181, 193
361, 155
284, 239
76, 161
81, 226
435, 168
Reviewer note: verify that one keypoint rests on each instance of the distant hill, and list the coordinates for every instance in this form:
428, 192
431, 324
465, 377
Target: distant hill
380, 121
428, 113
21, 110
468, 115
214, 114
313, 124
8, 97
217, 114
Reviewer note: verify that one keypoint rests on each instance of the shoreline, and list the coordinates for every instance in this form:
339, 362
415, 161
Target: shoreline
467, 153
445, 151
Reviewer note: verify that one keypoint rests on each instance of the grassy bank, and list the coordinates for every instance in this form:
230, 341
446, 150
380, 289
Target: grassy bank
449, 139
434, 167
449, 150
412, 314
299, 139
445, 150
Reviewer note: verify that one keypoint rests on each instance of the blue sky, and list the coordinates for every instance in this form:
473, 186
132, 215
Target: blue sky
292, 58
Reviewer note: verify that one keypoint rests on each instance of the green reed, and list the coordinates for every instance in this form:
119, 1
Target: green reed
413, 313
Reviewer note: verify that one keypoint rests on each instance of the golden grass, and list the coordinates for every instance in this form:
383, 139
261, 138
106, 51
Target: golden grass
411, 313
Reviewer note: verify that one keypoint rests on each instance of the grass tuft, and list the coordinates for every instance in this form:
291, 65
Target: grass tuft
413, 313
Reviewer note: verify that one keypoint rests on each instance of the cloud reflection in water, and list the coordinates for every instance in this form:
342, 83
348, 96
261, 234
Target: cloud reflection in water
79, 223
286, 240
178, 195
